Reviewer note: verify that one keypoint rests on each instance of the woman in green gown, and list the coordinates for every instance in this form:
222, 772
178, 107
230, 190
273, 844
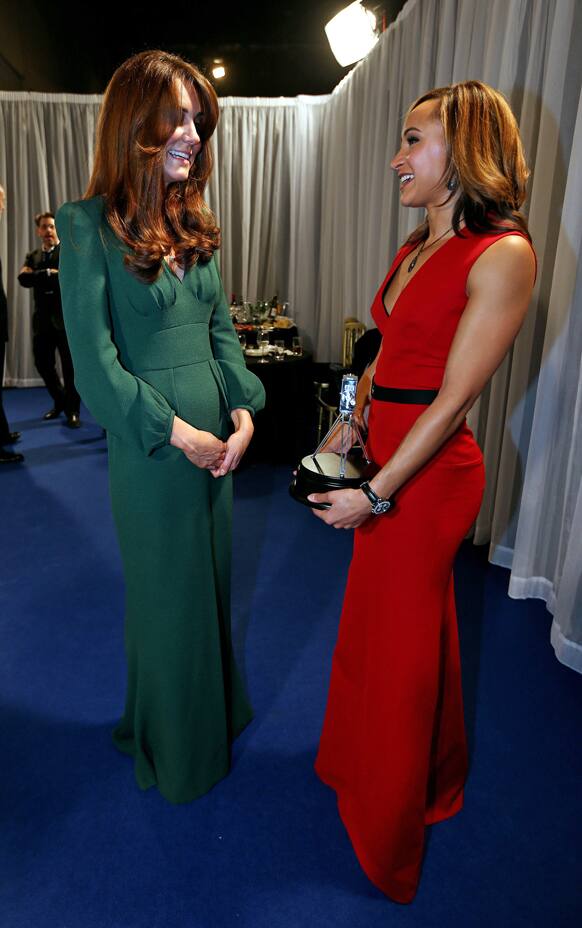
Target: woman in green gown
159, 365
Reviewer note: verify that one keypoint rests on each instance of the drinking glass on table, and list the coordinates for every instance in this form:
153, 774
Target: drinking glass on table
297, 345
279, 350
264, 345
243, 340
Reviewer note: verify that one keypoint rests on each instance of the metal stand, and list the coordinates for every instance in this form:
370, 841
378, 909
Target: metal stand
350, 435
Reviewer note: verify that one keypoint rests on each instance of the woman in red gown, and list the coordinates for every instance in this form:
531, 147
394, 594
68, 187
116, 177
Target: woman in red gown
393, 742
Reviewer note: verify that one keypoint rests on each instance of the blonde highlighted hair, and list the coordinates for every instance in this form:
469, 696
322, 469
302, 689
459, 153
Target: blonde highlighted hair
486, 158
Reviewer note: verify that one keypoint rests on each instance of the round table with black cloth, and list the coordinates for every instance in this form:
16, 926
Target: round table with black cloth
284, 428
275, 333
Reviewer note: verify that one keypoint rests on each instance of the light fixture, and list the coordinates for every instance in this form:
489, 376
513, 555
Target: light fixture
351, 33
218, 69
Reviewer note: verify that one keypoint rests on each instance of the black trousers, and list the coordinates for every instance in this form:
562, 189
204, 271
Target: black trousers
45, 344
4, 429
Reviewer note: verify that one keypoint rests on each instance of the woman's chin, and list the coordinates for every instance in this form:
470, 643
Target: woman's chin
175, 177
407, 199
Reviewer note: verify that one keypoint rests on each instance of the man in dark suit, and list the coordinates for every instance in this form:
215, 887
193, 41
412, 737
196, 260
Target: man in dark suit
41, 272
6, 436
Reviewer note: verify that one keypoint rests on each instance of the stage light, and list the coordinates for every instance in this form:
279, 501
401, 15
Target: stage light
218, 69
351, 33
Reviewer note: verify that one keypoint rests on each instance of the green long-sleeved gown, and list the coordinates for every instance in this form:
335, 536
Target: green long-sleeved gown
142, 353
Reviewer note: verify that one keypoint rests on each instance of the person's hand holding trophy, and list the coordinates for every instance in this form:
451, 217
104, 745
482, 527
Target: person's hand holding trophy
334, 465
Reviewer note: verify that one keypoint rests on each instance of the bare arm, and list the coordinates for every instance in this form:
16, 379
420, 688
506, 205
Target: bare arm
499, 290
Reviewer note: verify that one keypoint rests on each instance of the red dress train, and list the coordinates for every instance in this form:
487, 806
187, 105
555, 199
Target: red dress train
393, 742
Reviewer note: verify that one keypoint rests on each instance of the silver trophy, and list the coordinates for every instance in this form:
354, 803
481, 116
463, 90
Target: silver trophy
323, 471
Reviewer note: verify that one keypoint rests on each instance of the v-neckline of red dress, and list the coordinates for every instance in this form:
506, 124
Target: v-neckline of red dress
414, 276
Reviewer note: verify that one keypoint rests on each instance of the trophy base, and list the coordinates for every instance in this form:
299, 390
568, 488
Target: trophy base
320, 473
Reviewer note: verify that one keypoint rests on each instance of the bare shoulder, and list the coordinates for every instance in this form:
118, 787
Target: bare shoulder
506, 265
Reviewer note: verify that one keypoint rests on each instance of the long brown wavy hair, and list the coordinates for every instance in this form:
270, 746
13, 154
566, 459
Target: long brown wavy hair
140, 111
486, 159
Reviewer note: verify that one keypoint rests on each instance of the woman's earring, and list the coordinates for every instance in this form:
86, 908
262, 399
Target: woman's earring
452, 183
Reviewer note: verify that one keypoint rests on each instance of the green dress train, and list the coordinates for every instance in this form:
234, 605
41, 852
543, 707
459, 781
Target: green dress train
142, 353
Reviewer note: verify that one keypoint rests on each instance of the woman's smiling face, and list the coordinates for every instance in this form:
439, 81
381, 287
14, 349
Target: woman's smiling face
422, 160
184, 143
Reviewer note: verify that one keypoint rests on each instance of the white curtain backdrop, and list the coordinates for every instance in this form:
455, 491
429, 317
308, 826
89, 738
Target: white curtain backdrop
547, 561
309, 209
266, 191
46, 154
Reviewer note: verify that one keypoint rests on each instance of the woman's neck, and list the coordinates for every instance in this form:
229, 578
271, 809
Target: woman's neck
440, 219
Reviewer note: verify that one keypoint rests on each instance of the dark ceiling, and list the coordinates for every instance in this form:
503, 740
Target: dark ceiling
268, 48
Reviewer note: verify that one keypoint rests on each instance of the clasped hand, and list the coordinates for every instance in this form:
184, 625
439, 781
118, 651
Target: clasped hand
205, 450
237, 443
349, 508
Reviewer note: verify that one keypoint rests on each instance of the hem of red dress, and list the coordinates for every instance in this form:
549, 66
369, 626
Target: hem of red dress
391, 888
442, 817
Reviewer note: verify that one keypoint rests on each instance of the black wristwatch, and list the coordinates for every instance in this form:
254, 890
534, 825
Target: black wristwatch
379, 505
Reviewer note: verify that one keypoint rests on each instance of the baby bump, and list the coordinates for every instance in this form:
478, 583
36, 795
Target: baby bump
196, 393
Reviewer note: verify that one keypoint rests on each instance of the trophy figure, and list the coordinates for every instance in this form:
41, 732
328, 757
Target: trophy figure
323, 471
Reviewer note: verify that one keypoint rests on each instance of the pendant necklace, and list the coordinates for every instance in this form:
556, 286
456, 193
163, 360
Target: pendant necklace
176, 268
412, 264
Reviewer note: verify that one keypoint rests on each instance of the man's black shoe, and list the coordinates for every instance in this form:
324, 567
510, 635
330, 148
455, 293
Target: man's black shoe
53, 413
10, 457
73, 421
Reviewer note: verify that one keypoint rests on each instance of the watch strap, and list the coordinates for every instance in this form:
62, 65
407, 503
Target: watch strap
367, 489
380, 505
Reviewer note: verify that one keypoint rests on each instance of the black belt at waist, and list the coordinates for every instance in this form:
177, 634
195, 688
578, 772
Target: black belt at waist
395, 395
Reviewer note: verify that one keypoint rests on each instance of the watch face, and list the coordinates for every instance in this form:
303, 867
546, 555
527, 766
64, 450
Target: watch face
383, 505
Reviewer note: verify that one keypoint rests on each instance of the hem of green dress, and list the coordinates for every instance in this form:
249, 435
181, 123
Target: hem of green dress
218, 774
215, 777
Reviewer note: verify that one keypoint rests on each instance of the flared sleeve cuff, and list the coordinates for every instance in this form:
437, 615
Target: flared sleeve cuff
243, 389
158, 425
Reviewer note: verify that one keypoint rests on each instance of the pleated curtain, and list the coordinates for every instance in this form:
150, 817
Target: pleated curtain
266, 191
46, 154
309, 209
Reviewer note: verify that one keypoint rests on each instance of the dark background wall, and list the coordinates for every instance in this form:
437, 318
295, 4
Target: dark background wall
268, 48
36, 52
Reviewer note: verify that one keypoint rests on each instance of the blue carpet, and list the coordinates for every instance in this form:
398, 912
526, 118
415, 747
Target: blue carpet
82, 847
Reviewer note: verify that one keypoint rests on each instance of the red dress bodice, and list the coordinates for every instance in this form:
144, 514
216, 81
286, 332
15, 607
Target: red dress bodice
417, 335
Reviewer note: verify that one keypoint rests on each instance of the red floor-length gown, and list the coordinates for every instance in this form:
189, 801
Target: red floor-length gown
393, 742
